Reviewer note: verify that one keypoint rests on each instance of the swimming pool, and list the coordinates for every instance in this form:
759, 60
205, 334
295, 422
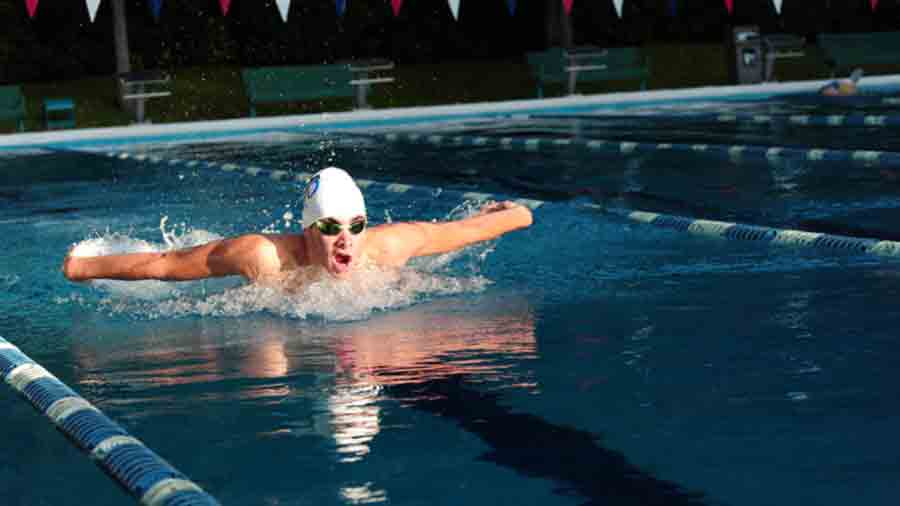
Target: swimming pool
586, 360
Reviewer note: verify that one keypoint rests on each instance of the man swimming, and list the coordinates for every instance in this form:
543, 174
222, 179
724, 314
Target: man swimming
336, 241
843, 87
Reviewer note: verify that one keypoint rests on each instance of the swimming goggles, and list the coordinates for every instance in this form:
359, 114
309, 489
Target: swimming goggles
334, 228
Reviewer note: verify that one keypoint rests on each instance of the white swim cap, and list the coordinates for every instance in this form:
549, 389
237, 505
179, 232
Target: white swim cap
332, 193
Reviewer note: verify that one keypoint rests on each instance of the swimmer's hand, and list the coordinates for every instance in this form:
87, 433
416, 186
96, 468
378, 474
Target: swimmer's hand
522, 214
493, 207
70, 268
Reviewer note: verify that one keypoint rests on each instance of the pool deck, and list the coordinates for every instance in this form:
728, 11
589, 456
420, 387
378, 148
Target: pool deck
223, 129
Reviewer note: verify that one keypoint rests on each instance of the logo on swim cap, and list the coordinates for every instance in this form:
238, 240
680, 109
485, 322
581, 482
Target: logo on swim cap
332, 193
311, 187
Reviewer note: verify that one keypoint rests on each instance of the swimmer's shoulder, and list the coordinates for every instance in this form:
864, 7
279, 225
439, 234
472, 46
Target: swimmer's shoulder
388, 243
269, 252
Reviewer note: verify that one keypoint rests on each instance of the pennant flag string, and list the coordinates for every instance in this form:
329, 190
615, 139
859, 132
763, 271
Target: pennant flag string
567, 6
283, 7
454, 8
31, 5
92, 6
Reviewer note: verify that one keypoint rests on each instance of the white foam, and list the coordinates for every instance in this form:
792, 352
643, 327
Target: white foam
305, 293
117, 243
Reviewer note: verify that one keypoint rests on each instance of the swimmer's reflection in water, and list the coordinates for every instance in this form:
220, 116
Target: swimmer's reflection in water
446, 357
336, 242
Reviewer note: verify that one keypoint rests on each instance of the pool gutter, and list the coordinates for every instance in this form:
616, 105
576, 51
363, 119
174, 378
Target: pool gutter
239, 127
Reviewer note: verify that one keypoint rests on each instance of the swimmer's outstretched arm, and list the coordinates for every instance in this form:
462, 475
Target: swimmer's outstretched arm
251, 256
415, 239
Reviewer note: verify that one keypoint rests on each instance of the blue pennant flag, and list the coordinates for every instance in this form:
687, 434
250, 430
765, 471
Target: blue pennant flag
673, 8
155, 6
511, 4
341, 6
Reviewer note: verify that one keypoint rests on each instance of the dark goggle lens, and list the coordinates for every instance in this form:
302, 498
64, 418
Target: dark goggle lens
357, 227
334, 228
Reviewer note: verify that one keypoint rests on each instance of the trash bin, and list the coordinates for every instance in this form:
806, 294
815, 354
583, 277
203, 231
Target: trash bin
746, 64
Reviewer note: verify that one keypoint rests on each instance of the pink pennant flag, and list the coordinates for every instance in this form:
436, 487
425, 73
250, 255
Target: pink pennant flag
31, 5
874, 4
92, 6
396, 4
729, 4
225, 4
567, 6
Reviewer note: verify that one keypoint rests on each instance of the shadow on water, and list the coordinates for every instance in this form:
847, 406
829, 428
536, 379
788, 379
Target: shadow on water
537, 448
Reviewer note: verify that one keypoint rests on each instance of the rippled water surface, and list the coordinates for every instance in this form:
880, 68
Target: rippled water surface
585, 360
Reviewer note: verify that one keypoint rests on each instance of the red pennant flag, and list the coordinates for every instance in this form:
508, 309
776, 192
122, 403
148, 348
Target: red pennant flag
225, 5
874, 4
567, 6
729, 4
32, 7
396, 4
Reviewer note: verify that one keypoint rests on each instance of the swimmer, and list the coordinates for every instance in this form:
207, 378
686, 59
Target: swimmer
336, 241
843, 87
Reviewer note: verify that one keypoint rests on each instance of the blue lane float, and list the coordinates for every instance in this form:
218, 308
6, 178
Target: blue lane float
814, 120
693, 226
735, 153
144, 474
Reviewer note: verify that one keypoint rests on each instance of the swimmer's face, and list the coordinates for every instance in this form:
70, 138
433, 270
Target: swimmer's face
336, 243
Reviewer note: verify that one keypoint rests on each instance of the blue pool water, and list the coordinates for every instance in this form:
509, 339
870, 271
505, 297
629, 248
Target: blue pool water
585, 360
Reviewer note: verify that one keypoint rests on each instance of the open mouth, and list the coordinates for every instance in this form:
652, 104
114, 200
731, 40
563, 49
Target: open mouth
342, 259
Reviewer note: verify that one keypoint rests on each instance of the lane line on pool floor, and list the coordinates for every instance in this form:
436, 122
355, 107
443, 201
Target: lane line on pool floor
144, 474
692, 226
735, 153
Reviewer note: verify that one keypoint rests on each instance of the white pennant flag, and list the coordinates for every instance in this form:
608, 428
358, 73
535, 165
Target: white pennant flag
778, 6
618, 4
283, 7
454, 7
92, 6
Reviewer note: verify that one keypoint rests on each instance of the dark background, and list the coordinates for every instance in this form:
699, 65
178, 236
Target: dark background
60, 42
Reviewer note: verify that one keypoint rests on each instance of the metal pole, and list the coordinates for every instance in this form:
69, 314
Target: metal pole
120, 33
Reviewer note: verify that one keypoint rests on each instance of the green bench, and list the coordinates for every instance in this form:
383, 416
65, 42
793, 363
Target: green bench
843, 52
312, 82
558, 65
12, 105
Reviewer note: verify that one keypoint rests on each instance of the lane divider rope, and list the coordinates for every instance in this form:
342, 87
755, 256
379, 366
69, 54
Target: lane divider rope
693, 226
145, 475
735, 153
814, 120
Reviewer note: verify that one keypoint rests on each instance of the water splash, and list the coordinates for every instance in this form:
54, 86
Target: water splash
302, 294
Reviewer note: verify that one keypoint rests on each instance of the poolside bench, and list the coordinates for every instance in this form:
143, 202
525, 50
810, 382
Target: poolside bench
138, 86
12, 105
558, 65
59, 113
844, 51
298, 83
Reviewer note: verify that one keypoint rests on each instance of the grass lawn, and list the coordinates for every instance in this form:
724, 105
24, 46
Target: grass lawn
209, 93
